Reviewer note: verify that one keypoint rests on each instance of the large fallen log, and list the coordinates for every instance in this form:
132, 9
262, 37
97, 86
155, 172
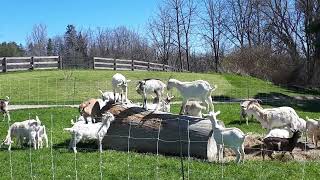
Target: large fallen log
145, 131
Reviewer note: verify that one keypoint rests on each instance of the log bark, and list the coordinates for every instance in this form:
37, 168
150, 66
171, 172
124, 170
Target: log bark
144, 127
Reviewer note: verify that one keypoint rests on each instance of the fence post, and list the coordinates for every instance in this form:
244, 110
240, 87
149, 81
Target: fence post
114, 64
148, 65
94, 63
132, 65
60, 62
4, 64
163, 67
31, 63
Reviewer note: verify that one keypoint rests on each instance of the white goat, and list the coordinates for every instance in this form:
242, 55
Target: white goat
4, 103
279, 117
24, 131
42, 136
195, 90
165, 104
313, 130
150, 86
120, 85
194, 108
280, 133
109, 96
81, 131
243, 114
232, 138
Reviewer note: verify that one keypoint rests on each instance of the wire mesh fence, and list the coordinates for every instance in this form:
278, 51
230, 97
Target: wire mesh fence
57, 162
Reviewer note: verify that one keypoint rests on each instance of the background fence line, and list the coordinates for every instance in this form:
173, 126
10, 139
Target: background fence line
55, 62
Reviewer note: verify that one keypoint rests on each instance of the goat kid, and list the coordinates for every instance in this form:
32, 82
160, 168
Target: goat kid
232, 138
150, 86
80, 131
120, 85
271, 144
195, 90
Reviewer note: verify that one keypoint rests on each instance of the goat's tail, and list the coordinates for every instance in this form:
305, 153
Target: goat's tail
72, 122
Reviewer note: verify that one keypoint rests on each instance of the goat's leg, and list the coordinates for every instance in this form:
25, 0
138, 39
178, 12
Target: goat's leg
183, 107
159, 100
46, 139
209, 102
242, 153
282, 155
100, 144
219, 147
237, 151
269, 153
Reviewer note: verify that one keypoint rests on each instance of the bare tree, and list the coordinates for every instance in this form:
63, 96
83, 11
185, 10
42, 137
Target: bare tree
37, 40
160, 32
187, 11
212, 27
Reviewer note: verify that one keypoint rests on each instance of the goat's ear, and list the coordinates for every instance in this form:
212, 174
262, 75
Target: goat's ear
100, 91
259, 101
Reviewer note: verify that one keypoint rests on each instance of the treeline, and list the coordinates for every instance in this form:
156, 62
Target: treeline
278, 40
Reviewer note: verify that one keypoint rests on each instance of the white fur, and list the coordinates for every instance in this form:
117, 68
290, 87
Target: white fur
23, 131
95, 131
194, 108
120, 85
313, 130
150, 86
279, 117
280, 133
42, 136
195, 90
232, 138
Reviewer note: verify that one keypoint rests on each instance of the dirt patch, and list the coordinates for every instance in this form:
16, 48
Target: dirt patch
303, 152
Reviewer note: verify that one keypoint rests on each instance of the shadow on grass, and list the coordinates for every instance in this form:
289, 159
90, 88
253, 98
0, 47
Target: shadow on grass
302, 90
303, 103
90, 146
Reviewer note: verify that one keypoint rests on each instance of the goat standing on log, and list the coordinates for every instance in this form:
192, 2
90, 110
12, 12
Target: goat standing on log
120, 85
195, 90
271, 144
150, 86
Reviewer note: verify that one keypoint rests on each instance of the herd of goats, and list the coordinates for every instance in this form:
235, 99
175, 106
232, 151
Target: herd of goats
284, 125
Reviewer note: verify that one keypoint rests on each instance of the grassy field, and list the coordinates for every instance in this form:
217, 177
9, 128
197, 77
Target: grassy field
72, 87
141, 166
54, 87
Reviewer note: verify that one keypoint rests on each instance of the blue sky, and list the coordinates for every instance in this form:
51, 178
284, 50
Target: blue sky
18, 16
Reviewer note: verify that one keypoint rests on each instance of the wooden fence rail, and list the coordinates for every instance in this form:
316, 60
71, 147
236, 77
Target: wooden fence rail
55, 62
30, 63
125, 64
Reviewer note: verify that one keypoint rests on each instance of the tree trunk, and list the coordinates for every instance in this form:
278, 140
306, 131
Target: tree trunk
145, 127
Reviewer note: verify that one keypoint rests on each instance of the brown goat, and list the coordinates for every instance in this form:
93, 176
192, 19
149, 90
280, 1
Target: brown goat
271, 144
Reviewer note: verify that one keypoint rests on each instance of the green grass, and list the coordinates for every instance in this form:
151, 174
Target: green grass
141, 166
51, 87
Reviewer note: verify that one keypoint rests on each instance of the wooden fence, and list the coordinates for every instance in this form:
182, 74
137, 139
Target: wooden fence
30, 63
124, 64
56, 62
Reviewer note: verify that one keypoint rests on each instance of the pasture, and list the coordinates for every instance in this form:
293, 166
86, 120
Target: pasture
72, 87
